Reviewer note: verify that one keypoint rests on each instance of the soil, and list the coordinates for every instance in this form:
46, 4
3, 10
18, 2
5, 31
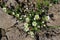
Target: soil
7, 29
55, 10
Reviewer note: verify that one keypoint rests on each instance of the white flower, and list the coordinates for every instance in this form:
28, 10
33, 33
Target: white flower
47, 18
24, 15
42, 21
4, 9
34, 23
38, 26
26, 29
30, 14
44, 25
36, 17
42, 10
26, 25
31, 33
17, 15
50, 5
27, 19
20, 18
13, 13
27, 8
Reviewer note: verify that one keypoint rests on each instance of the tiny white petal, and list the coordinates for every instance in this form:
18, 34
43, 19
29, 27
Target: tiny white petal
20, 18
34, 18
27, 8
38, 26
13, 13
24, 15
44, 25
17, 15
30, 14
42, 10
42, 21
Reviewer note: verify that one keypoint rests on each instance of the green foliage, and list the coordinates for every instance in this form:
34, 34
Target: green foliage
46, 3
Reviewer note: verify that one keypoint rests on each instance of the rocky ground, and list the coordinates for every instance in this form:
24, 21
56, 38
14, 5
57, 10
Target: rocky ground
55, 10
8, 30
